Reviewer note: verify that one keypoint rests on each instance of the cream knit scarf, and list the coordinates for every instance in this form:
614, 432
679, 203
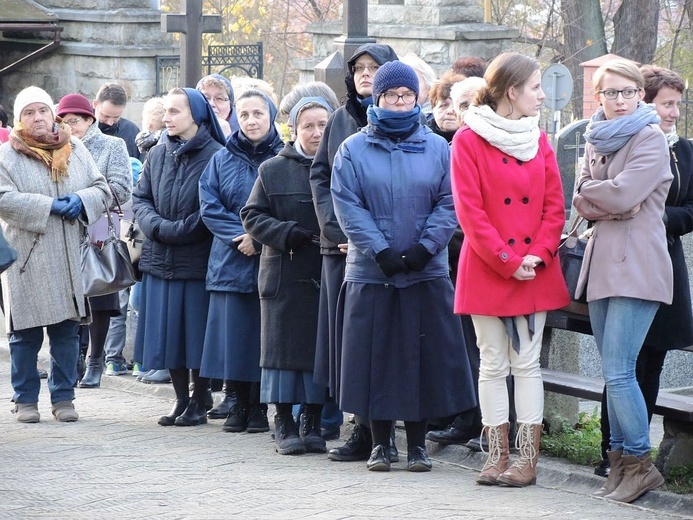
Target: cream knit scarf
519, 138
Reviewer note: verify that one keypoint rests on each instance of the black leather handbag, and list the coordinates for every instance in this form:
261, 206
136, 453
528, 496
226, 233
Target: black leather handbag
571, 253
107, 268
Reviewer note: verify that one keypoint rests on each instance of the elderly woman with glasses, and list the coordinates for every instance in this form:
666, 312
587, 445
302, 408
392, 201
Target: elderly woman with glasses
111, 156
402, 353
218, 91
626, 272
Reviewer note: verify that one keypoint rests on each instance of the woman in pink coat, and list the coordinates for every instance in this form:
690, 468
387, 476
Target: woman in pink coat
627, 270
509, 201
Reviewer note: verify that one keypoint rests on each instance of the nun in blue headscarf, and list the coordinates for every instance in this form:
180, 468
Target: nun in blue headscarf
218, 91
232, 338
166, 202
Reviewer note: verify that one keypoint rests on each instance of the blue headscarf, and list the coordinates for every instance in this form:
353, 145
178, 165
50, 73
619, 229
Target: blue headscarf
203, 114
271, 142
293, 115
233, 122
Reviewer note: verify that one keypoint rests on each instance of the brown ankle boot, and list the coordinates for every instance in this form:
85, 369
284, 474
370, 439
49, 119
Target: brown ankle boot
523, 472
498, 454
615, 475
639, 476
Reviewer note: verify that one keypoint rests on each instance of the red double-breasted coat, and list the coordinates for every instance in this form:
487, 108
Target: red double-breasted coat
507, 209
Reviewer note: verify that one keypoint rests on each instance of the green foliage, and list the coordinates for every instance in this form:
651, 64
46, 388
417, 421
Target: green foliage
579, 443
680, 479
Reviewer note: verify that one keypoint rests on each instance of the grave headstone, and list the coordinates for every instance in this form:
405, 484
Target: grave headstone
570, 148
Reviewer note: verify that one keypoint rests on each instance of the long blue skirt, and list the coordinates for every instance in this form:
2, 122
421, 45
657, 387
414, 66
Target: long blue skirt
402, 352
325, 350
171, 324
290, 386
232, 338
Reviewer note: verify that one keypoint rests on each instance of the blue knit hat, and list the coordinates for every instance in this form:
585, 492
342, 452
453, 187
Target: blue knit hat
394, 74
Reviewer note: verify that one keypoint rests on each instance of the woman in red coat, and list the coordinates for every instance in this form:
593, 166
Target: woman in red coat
509, 201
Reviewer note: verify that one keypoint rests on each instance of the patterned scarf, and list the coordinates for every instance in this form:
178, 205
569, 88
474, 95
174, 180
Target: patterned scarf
610, 135
52, 149
672, 138
519, 138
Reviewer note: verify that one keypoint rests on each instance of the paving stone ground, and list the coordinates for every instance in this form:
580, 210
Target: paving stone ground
117, 463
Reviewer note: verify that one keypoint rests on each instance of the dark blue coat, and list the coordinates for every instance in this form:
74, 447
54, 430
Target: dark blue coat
167, 206
224, 189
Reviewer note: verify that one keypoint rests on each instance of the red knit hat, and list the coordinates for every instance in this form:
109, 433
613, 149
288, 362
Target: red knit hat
75, 104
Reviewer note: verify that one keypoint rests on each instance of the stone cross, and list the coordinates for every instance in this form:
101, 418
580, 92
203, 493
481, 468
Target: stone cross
355, 26
191, 24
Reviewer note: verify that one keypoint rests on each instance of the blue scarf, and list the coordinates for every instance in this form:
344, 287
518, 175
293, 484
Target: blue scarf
394, 124
610, 135
365, 102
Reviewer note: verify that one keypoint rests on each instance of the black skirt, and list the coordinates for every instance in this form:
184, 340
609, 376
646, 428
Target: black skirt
402, 352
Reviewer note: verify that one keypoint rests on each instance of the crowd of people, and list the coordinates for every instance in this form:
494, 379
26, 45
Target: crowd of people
393, 257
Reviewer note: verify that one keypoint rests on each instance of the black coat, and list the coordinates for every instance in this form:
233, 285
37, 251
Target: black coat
166, 203
672, 327
288, 280
345, 121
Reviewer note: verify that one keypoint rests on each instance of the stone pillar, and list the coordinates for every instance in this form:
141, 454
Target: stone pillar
103, 40
438, 31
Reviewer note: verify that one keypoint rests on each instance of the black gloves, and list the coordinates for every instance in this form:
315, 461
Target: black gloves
298, 237
416, 257
390, 262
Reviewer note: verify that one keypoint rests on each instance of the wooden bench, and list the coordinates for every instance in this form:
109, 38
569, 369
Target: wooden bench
672, 406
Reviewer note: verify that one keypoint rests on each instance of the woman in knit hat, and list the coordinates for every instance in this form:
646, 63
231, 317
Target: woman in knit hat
111, 157
402, 350
50, 189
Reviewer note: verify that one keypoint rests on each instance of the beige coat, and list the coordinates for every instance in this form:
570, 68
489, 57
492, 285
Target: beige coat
50, 288
625, 194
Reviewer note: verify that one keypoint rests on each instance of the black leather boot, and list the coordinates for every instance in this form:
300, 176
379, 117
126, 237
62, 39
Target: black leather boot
237, 421
358, 447
194, 415
286, 439
221, 410
310, 429
178, 408
92, 376
257, 419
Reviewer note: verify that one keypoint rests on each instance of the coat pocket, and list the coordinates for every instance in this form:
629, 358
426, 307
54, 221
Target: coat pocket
269, 276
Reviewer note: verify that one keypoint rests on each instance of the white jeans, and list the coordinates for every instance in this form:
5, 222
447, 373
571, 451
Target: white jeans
498, 359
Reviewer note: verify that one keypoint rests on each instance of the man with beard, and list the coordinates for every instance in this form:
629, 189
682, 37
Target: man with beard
109, 105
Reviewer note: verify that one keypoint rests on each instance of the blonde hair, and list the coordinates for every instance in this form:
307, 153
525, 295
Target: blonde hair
420, 67
241, 84
153, 114
621, 67
465, 89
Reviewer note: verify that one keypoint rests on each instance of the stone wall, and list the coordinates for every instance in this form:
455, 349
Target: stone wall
102, 40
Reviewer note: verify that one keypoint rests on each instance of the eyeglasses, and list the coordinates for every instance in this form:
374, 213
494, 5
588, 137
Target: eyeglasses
363, 68
73, 121
391, 98
218, 100
612, 93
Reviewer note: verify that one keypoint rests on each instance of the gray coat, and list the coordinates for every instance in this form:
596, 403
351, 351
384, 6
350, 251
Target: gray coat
111, 157
627, 254
50, 288
288, 280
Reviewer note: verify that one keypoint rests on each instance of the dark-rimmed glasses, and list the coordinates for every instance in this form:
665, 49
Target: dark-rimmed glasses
612, 93
391, 98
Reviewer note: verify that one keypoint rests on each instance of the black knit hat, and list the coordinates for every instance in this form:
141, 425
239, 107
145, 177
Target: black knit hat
394, 74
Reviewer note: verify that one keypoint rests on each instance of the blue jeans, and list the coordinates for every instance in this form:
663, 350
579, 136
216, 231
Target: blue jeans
620, 326
64, 350
115, 340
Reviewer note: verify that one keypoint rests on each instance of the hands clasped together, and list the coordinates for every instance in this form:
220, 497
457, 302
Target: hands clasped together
68, 206
526, 271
